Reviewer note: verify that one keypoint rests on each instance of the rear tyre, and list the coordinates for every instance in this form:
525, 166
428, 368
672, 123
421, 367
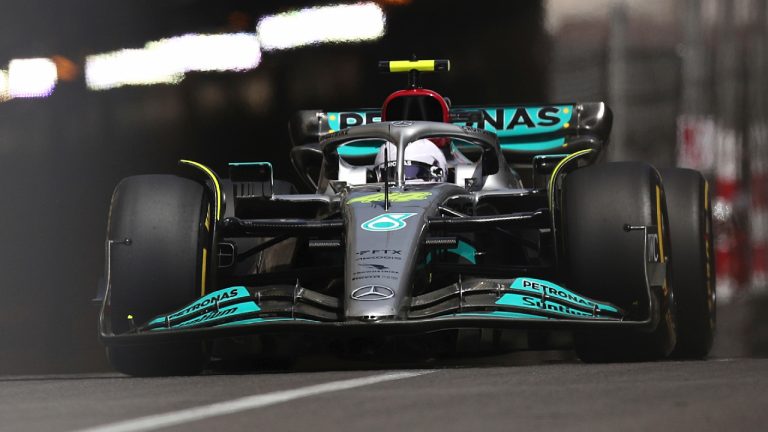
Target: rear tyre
692, 278
159, 270
606, 262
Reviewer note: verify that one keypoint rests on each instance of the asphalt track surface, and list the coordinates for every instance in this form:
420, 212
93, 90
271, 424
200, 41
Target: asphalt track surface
491, 394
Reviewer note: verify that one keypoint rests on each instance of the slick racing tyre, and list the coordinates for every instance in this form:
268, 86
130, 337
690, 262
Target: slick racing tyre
606, 262
163, 222
693, 274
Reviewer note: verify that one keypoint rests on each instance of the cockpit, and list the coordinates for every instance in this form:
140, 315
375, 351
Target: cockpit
431, 159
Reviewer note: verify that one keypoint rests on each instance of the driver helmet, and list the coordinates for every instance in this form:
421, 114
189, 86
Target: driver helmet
424, 161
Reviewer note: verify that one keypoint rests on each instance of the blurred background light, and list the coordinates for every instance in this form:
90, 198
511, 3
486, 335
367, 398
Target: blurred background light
66, 69
167, 60
34, 77
340, 23
129, 67
4, 94
221, 52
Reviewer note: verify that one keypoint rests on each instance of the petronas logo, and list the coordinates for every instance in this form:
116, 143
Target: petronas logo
386, 222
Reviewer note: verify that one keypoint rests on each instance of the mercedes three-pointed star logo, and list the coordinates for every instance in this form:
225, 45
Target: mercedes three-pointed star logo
372, 293
402, 123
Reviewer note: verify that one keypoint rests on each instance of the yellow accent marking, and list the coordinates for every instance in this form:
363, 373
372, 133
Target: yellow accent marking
550, 190
567, 125
566, 110
707, 234
129, 316
208, 219
331, 131
659, 223
396, 197
332, 118
706, 195
407, 65
213, 178
205, 266
565, 145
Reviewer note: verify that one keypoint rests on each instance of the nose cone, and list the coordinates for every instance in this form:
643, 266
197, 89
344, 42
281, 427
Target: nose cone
382, 247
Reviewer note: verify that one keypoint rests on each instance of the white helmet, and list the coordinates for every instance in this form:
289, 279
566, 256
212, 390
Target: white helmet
424, 161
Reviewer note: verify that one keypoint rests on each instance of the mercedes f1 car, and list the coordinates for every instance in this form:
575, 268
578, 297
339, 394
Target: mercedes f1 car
416, 219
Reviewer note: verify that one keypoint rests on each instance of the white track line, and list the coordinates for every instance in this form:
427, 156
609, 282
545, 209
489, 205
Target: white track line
173, 418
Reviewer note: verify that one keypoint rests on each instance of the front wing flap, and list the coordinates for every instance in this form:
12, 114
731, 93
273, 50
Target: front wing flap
475, 303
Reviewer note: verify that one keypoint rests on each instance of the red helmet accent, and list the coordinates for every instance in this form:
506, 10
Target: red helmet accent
409, 93
437, 112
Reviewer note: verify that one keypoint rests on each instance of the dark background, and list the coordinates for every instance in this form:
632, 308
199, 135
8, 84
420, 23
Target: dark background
672, 70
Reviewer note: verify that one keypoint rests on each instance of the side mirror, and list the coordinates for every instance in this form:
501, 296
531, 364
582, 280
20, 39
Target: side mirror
490, 162
307, 160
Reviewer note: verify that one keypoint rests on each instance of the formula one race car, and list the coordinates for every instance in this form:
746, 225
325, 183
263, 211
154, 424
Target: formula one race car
423, 219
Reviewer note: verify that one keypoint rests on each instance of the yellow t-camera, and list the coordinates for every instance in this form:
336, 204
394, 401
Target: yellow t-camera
414, 65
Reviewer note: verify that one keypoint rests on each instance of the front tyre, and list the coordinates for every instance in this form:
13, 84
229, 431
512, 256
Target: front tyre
693, 273
606, 262
166, 222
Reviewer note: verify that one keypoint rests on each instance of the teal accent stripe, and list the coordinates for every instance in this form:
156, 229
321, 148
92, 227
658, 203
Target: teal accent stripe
249, 163
500, 314
260, 321
462, 249
352, 150
465, 250
534, 146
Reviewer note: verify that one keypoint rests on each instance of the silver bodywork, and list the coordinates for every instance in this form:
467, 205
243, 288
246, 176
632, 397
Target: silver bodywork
388, 258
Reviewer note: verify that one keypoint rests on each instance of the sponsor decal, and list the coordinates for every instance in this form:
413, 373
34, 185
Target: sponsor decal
340, 133
343, 120
470, 129
225, 295
375, 266
396, 197
537, 287
372, 293
519, 121
221, 314
505, 122
380, 254
374, 271
386, 222
217, 316
653, 248
528, 302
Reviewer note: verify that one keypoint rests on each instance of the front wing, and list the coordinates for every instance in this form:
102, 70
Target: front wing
523, 303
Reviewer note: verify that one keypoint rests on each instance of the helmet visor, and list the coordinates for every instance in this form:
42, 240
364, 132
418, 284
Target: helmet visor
414, 170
